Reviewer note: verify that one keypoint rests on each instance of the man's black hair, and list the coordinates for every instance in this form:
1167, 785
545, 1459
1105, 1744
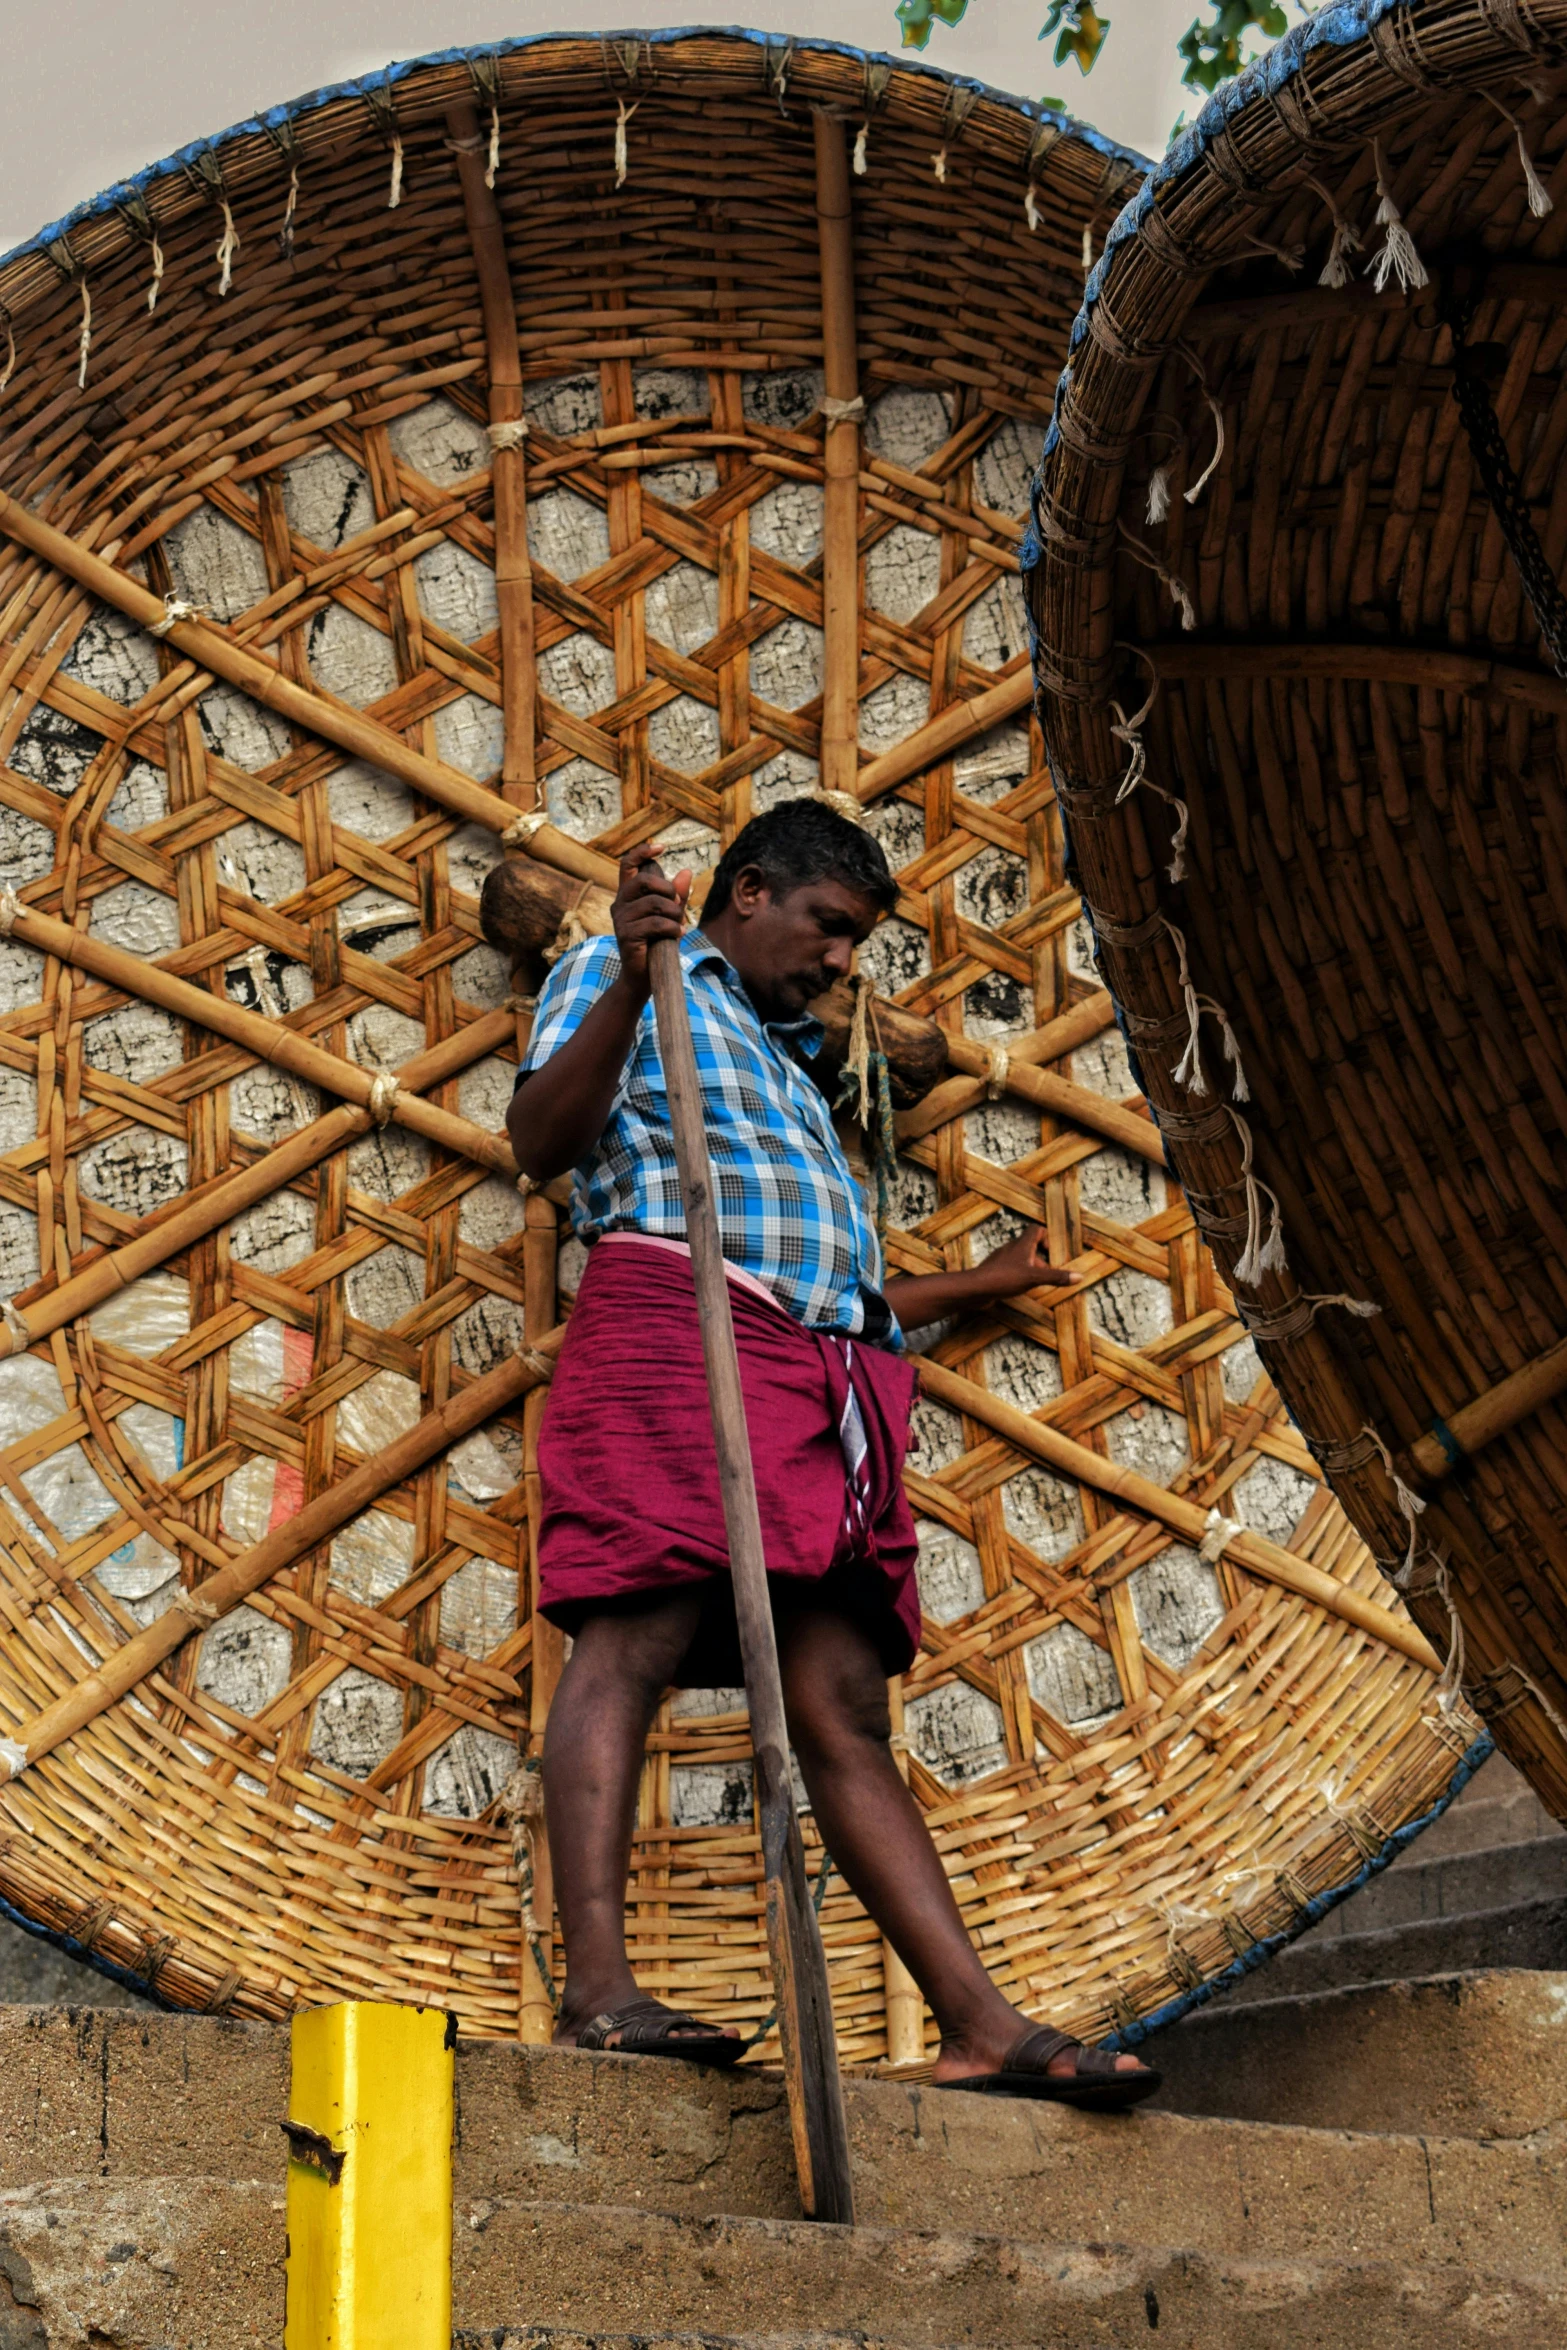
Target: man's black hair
802, 841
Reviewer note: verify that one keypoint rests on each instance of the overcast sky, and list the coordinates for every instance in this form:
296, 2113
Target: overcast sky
96, 89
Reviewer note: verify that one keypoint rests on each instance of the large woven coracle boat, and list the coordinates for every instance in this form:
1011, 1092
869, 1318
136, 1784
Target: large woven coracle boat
1302, 653
528, 455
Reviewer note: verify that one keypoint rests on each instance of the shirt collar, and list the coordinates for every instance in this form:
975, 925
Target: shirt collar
700, 954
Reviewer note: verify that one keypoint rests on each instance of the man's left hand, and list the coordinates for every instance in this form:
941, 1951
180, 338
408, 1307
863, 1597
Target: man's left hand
1022, 1264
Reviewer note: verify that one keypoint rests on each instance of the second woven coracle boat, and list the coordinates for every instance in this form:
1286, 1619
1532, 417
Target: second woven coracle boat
1303, 651
682, 468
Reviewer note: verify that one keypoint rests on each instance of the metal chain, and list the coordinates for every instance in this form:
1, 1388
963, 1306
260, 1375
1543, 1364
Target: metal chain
1505, 490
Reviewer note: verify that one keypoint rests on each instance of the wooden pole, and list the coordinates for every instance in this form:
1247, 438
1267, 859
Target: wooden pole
546, 1655
821, 2143
905, 2005
271, 1041
940, 736
508, 466
1183, 1517
317, 1522
1491, 1415
840, 756
317, 712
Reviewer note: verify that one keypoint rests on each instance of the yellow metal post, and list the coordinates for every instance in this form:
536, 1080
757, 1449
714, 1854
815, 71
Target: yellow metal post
370, 2179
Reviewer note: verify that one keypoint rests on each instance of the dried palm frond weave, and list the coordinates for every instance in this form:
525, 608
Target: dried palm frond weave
570, 513
1348, 656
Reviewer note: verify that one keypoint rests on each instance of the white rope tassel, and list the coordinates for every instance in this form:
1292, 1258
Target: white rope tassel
157, 276
1031, 206
1188, 1070
493, 159
510, 433
10, 907
1398, 257
1088, 248
1409, 1502
228, 246
1158, 507
1539, 195
1450, 1689
1216, 412
938, 164
622, 152
84, 344
396, 196
1346, 240
1259, 1256
1218, 1533
862, 140
13, 1758
285, 235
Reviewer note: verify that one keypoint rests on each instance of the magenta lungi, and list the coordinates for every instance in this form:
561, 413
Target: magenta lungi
629, 1473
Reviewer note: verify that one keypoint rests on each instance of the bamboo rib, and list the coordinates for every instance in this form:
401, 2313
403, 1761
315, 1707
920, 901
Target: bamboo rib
841, 461
1181, 1516
1064, 1099
508, 464
317, 1522
269, 1040
1492, 1414
311, 708
229, 1196
944, 734
1052, 1042
1436, 668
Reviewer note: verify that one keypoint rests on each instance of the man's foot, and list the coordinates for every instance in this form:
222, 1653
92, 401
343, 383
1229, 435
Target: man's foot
1042, 2062
646, 2027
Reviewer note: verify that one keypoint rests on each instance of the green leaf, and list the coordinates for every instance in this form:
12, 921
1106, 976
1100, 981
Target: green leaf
1082, 36
914, 16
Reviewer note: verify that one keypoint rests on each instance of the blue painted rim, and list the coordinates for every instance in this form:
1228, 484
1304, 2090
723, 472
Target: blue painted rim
1314, 1912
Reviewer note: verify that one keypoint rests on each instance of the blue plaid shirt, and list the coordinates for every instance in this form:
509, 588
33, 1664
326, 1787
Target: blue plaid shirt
790, 1211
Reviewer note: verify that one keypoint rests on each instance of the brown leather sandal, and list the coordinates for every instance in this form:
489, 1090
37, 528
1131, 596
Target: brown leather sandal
648, 2028
1094, 2086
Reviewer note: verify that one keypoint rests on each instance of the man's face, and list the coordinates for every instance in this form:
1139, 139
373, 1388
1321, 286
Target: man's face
789, 948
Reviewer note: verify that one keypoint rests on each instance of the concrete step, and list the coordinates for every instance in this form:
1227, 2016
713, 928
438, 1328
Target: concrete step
1529, 1934
1450, 1884
141, 2206
1480, 2055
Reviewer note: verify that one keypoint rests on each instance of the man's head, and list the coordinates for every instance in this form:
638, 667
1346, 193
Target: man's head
793, 896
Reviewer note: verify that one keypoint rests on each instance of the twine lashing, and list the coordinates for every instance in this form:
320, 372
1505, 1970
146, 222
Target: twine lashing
1031, 212
492, 161
520, 835
228, 246
1170, 581
1411, 1507
1346, 240
1218, 1533
509, 433
18, 1338
9, 369
157, 275
622, 151
285, 235
382, 1103
175, 609
13, 1757
843, 411
84, 339
10, 907
862, 140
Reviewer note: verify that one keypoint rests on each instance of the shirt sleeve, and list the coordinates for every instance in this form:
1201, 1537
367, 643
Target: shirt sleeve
568, 995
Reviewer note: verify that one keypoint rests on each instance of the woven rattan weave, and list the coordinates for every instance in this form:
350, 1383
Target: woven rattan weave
1335, 670
683, 469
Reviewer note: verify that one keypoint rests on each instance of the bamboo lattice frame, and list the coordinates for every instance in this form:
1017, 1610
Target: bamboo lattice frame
269, 1647
1371, 740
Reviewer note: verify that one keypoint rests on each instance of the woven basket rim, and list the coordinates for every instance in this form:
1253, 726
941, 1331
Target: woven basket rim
27, 269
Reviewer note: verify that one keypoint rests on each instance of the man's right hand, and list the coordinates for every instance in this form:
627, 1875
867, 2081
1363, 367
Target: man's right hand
648, 906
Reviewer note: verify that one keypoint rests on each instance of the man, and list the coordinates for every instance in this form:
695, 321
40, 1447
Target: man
632, 1557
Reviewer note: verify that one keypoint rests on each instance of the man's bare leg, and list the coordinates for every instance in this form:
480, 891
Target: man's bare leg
836, 1697
621, 1663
